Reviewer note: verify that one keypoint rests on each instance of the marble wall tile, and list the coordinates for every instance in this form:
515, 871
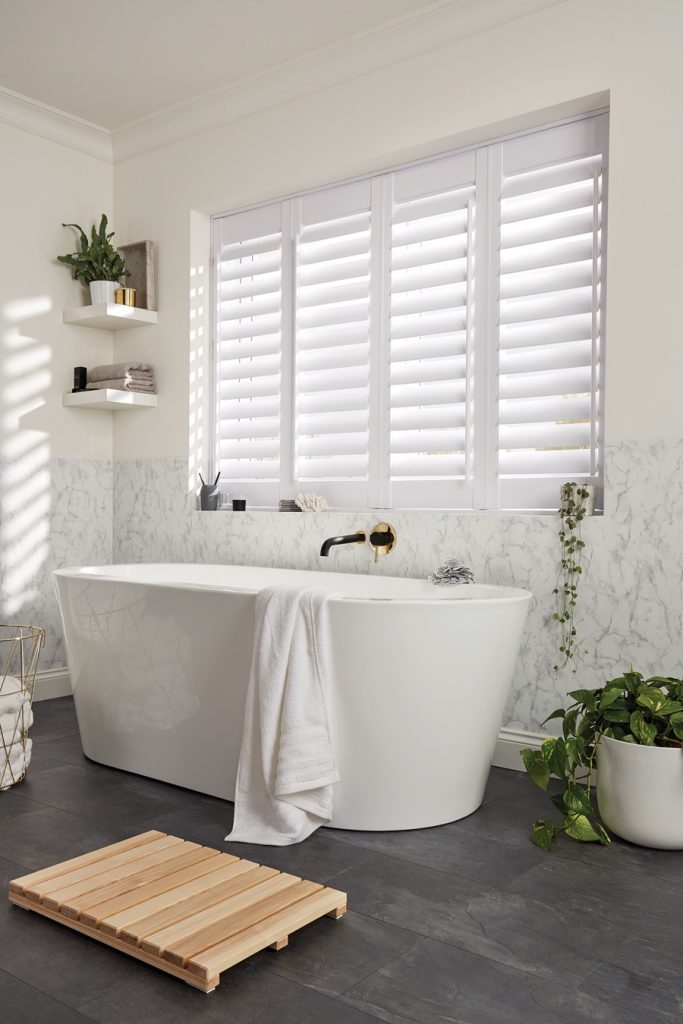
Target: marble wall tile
54, 512
630, 611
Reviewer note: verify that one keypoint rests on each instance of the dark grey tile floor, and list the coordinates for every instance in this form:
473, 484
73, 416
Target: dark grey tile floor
465, 923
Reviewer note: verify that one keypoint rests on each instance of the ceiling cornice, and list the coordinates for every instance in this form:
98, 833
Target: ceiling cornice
56, 125
439, 25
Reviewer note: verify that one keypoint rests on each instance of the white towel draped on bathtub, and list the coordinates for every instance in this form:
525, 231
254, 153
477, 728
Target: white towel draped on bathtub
287, 766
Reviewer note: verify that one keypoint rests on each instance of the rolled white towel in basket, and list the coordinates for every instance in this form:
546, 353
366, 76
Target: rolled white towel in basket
16, 716
14, 763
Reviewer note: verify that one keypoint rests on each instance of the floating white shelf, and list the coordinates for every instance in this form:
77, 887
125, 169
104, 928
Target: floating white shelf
109, 316
108, 398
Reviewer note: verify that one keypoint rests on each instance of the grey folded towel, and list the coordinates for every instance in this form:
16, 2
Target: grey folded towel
451, 571
123, 384
117, 371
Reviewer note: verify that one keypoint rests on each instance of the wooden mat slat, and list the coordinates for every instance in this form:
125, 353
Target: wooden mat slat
153, 916
213, 961
37, 890
168, 874
183, 908
18, 885
169, 938
58, 897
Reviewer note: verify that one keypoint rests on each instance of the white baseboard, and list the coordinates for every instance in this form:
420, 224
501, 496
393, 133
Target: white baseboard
52, 682
509, 744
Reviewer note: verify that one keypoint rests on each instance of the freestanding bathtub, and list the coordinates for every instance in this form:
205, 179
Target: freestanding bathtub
159, 657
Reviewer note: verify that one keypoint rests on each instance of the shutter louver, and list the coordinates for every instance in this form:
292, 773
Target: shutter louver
549, 309
332, 343
430, 334
249, 271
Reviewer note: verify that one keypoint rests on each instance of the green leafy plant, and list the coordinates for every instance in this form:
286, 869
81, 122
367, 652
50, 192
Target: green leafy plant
97, 259
572, 512
631, 709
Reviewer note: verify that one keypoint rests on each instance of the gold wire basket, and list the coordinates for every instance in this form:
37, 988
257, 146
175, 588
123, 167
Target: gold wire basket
19, 651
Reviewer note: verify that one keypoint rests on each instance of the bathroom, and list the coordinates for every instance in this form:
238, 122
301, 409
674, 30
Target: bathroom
172, 120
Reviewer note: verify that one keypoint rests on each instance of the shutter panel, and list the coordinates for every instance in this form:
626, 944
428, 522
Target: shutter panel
332, 343
550, 312
431, 325
248, 322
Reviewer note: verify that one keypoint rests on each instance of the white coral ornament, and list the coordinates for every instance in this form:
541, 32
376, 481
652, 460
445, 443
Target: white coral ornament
311, 502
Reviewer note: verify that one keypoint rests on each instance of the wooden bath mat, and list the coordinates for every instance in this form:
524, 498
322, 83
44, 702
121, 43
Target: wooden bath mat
184, 908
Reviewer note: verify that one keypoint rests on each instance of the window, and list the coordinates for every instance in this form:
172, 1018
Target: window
426, 338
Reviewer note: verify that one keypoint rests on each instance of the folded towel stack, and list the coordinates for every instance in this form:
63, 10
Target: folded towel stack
14, 764
16, 717
451, 571
123, 377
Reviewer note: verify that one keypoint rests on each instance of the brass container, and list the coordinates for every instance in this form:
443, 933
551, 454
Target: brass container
125, 296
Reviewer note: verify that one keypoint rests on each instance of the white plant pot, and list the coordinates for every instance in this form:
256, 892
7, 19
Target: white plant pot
103, 291
640, 792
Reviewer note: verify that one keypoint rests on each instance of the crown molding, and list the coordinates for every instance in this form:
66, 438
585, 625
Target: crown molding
56, 125
439, 25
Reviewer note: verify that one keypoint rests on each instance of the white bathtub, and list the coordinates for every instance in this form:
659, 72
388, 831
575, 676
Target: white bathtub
159, 657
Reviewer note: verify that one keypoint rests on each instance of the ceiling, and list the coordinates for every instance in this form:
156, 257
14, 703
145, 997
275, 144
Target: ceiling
113, 63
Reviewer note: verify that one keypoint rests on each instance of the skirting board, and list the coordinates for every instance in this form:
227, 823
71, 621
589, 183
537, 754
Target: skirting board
509, 744
51, 683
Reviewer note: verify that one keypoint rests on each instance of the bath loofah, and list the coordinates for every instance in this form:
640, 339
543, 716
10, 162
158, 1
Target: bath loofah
451, 571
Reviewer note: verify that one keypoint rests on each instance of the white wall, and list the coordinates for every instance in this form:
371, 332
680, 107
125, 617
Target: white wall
55, 463
425, 105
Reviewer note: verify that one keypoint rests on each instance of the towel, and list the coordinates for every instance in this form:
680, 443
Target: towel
123, 384
14, 764
287, 767
16, 717
114, 371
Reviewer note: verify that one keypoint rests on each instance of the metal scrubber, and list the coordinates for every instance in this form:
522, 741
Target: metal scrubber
451, 571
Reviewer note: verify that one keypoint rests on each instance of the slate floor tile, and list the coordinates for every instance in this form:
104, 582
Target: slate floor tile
435, 984
332, 959
22, 1004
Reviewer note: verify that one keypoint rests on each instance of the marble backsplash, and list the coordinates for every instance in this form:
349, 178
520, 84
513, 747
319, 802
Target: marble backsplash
53, 512
631, 605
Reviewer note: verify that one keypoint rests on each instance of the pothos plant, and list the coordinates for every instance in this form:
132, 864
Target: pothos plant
97, 259
631, 709
572, 511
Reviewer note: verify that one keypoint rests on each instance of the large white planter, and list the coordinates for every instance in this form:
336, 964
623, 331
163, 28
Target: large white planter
103, 291
640, 793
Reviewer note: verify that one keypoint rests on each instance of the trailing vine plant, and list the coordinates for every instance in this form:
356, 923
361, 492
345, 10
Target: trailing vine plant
572, 511
632, 709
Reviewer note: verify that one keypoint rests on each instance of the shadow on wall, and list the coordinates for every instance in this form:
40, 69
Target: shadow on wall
25, 496
199, 454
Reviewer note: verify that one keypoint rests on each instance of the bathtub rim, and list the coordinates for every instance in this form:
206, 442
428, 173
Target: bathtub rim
513, 595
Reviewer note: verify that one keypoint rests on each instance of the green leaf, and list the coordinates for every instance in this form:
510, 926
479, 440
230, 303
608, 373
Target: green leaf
609, 696
579, 827
569, 723
558, 759
586, 697
557, 800
557, 713
650, 698
677, 724
536, 767
542, 834
616, 715
636, 722
576, 800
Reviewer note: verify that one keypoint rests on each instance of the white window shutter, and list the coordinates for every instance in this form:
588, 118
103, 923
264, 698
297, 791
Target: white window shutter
248, 268
550, 301
332, 343
431, 333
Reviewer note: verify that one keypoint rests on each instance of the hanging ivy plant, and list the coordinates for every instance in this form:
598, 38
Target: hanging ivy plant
573, 509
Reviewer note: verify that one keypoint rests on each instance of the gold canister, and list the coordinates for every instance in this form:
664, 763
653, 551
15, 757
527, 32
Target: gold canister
125, 296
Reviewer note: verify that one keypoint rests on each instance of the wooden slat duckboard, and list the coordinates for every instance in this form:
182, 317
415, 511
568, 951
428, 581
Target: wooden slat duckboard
184, 908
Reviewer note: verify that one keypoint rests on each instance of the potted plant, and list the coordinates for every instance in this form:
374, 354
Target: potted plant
631, 729
97, 264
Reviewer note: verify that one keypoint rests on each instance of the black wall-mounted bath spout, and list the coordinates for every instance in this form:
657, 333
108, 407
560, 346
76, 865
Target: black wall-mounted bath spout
349, 538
